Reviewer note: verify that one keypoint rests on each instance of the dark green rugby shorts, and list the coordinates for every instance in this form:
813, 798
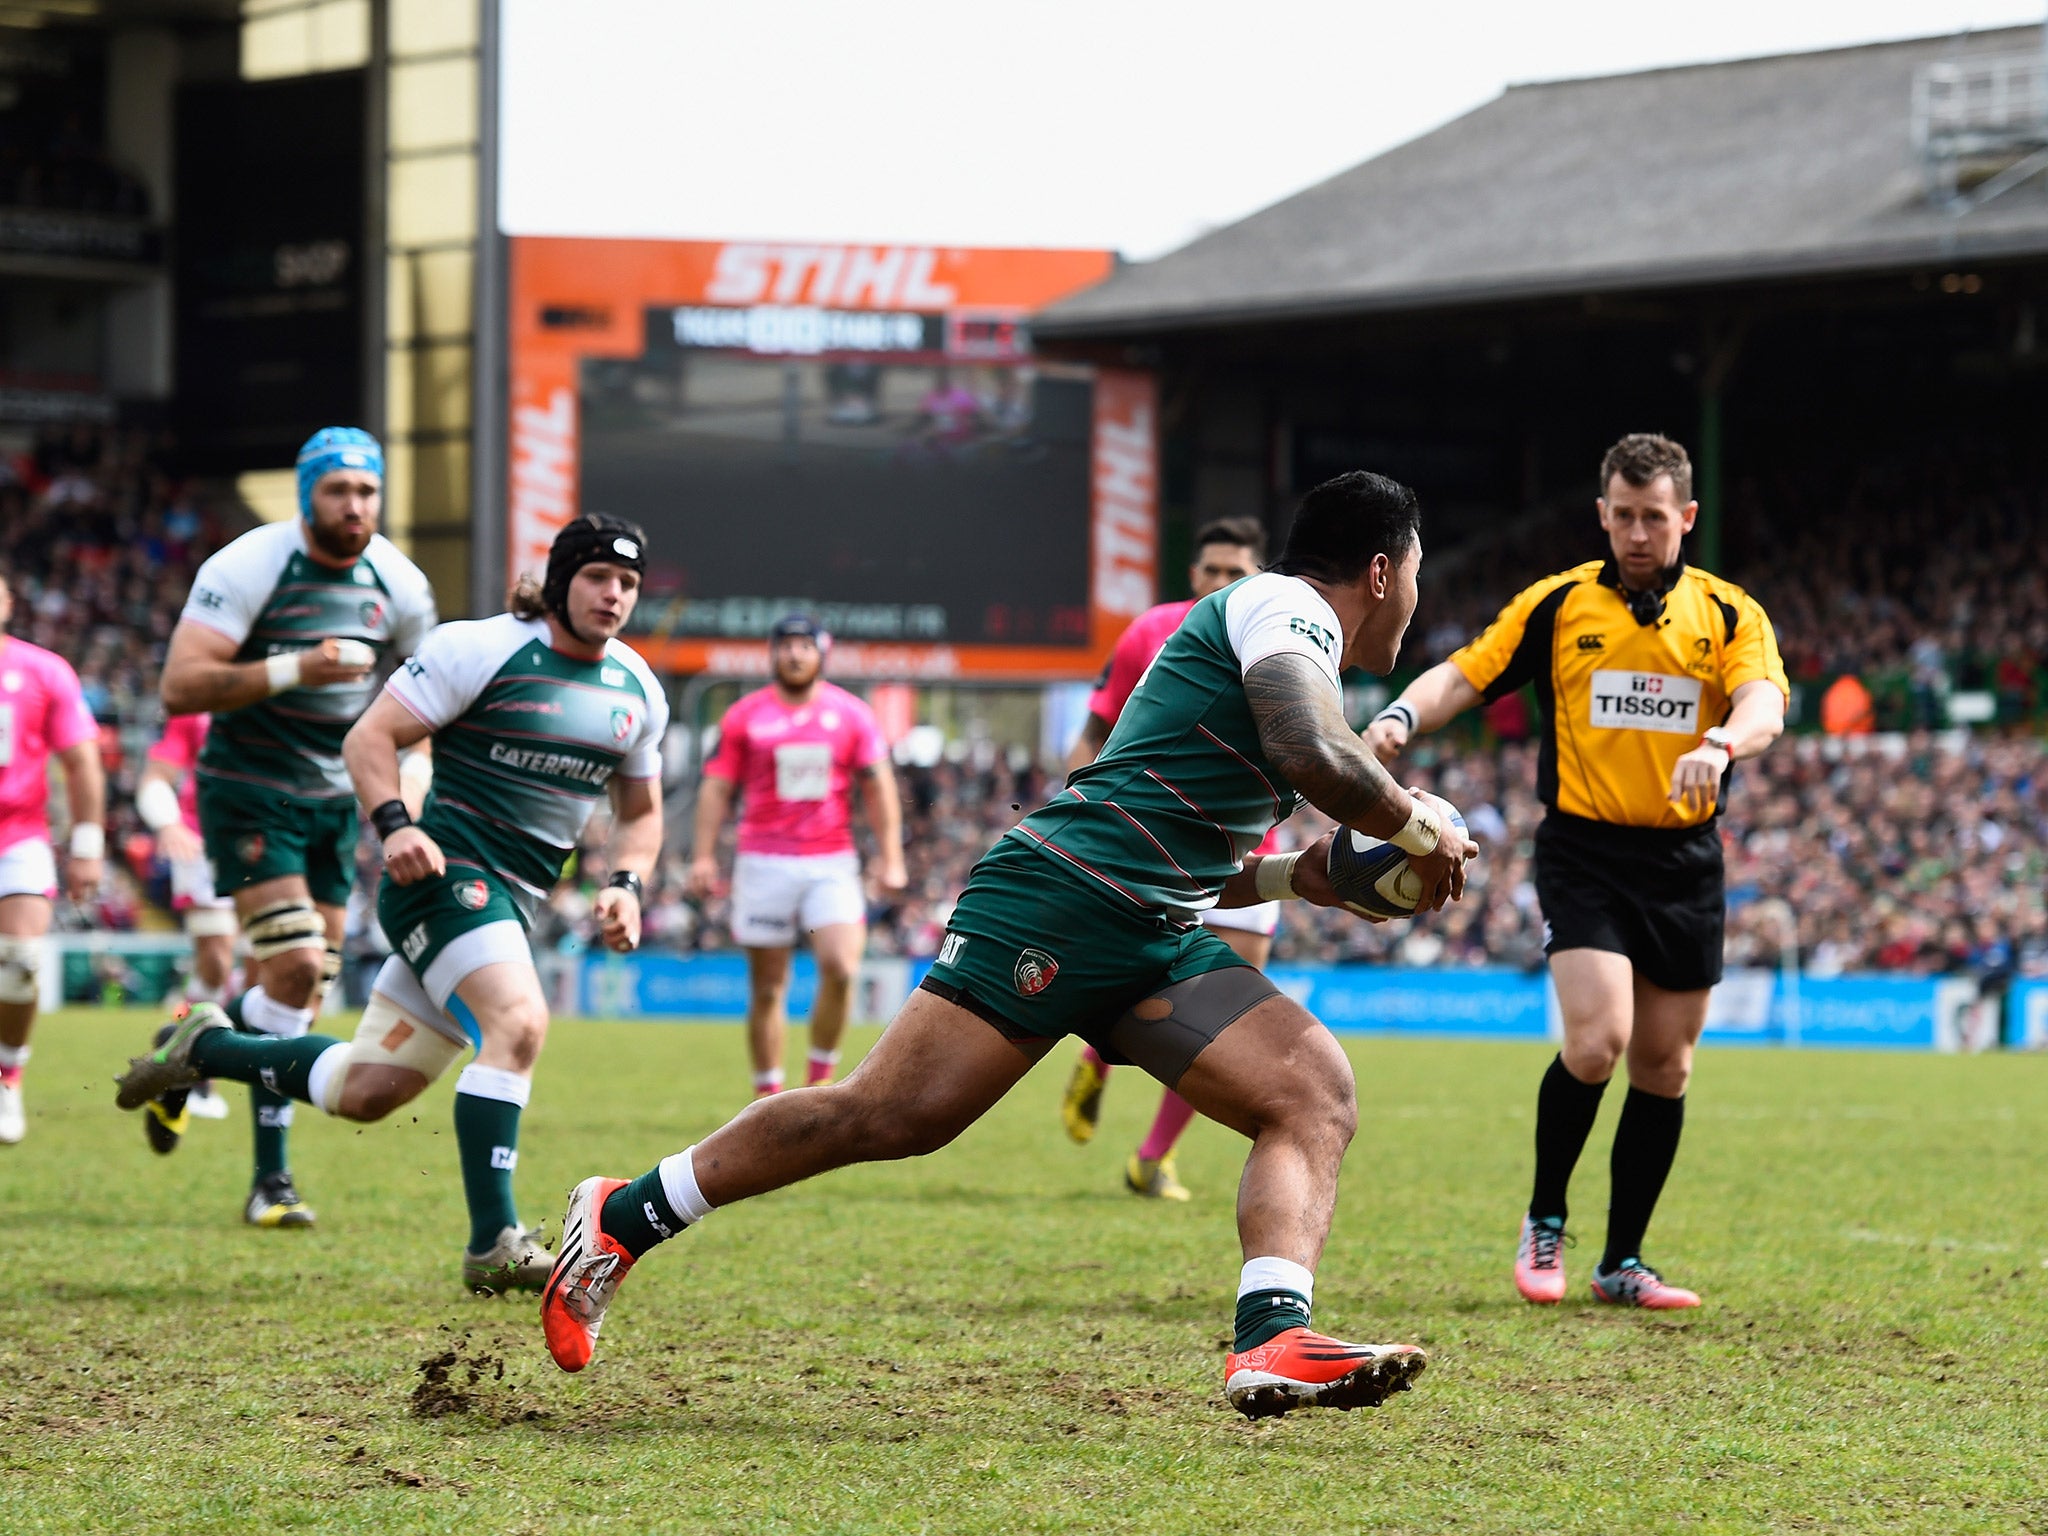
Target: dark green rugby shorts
1038, 955
254, 834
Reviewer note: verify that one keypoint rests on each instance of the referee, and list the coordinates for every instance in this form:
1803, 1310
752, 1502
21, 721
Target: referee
1653, 676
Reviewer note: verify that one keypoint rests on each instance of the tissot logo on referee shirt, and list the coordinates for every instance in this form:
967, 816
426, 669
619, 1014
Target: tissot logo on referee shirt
1644, 701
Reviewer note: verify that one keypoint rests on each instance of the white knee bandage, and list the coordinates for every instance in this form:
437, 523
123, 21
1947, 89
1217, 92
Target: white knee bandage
210, 922
21, 959
388, 1038
286, 926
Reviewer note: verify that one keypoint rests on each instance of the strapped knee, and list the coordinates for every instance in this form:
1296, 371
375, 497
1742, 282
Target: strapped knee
21, 961
283, 927
210, 922
389, 1037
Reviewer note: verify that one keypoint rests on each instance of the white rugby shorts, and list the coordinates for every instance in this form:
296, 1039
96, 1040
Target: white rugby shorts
28, 869
778, 899
1263, 918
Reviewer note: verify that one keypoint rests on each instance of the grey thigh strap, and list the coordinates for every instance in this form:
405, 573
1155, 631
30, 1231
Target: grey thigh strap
1168, 1030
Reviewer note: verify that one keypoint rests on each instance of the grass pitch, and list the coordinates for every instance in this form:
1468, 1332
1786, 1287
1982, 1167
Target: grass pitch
998, 1339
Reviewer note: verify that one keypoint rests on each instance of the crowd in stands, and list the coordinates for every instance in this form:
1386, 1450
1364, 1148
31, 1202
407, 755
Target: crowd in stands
1920, 578
99, 541
1909, 850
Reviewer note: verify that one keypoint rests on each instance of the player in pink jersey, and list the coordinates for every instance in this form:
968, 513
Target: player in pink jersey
1226, 550
794, 751
42, 715
167, 800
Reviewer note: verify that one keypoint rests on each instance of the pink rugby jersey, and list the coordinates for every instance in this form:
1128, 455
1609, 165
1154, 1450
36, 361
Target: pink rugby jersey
794, 768
178, 748
42, 711
1135, 648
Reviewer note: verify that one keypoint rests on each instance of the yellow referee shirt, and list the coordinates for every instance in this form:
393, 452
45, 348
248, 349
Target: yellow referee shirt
1623, 701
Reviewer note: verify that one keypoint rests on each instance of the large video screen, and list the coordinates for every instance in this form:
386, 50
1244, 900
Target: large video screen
919, 499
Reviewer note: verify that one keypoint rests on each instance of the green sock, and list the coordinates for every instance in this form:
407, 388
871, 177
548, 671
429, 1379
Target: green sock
637, 1215
487, 1137
272, 1113
272, 1066
1262, 1315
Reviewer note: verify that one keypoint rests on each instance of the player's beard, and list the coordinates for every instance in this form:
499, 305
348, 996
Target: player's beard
340, 543
798, 684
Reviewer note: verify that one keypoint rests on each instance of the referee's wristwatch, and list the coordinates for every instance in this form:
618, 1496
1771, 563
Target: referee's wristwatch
1719, 736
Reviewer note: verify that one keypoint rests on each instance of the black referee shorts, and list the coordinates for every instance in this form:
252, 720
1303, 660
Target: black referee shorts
1653, 894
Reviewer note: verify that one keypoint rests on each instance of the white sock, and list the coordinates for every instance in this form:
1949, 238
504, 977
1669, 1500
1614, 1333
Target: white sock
772, 1078
495, 1083
679, 1186
824, 1058
328, 1072
13, 1055
1276, 1275
265, 1015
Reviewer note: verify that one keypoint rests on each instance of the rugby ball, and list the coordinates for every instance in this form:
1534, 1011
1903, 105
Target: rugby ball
1373, 876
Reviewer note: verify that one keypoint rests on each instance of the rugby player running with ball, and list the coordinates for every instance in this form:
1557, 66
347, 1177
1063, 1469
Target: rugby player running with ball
1085, 919
536, 715
280, 640
1654, 677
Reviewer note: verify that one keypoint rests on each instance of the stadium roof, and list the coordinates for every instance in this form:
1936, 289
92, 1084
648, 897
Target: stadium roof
1793, 165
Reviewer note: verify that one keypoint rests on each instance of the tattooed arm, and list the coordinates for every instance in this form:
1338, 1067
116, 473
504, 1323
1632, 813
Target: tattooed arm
1303, 733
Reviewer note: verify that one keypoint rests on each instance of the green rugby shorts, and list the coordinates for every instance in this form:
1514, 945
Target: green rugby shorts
1038, 955
253, 835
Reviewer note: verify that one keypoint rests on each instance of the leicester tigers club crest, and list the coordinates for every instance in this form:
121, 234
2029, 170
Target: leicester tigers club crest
372, 614
473, 894
622, 722
249, 849
1034, 973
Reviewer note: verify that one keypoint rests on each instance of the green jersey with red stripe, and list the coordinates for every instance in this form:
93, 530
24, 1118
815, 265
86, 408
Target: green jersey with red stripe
1182, 791
526, 740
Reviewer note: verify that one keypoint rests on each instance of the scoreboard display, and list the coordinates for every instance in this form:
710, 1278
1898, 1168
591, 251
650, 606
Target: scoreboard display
861, 433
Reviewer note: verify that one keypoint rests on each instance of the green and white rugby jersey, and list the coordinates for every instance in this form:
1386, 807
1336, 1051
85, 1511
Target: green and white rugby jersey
1182, 792
525, 741
268, 595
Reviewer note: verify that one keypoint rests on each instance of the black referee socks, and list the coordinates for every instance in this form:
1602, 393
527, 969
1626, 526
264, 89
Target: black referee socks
1645, 1143
1565, 1111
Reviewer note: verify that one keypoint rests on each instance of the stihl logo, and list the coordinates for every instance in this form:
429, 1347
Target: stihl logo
543, 477
840, 276
1126, 485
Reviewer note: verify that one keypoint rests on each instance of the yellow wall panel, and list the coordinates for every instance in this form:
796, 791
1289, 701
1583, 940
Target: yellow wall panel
433, 199
427, 389
429, 293
430, 26
433, 105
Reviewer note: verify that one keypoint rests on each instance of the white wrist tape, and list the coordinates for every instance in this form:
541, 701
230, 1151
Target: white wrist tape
283, 670
1403, 712
88, 840
1274, 878
353, 653
157, 804
1424, 831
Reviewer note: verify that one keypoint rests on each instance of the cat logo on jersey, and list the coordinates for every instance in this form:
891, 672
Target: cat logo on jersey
622, 722
371, 613
249, 849
473, 894
1035, 972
